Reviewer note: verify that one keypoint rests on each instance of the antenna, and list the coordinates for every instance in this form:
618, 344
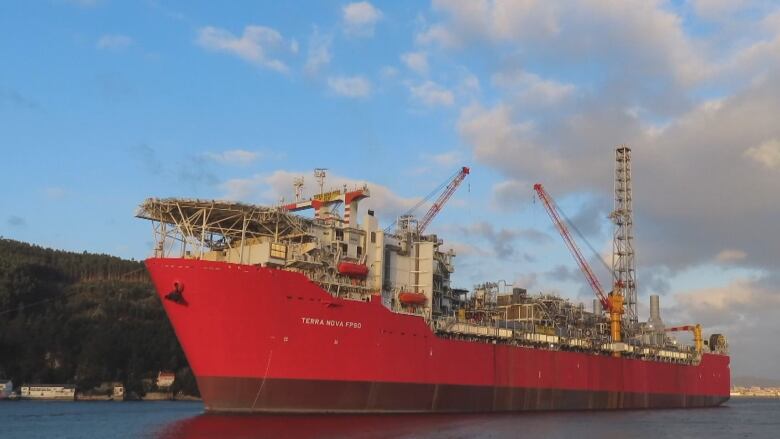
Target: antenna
298, 185
319, 174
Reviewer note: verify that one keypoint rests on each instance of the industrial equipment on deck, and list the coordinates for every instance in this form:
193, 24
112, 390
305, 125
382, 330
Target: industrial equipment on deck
378, 305
611, 302
695, 330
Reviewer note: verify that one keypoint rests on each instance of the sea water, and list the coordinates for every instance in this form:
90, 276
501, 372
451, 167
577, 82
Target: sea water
738, 418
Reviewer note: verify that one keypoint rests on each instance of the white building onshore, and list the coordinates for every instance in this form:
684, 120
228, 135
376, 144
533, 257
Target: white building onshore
49, 391
6, 388
165, 379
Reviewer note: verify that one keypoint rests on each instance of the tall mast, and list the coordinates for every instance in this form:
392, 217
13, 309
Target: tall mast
319, 174
623, 263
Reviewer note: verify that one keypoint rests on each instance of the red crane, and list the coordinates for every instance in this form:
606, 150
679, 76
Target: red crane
613, 303
439, 203
554, 212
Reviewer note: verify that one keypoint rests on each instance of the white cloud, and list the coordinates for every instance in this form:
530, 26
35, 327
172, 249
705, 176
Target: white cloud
642, 38
432, 94
255, 45
730, 256
319, 54
500, 20
510, 193
738, 293
446, 159
468, 84
243, 189
700, 192
388, 72
758, 59
766, 154
701, 166
740, 309
350, 86
502, 240
416, 61
771, 23
498, 140
360, 18
234, 156
466, 249
717, 9
437, 34
531, 88
113, 41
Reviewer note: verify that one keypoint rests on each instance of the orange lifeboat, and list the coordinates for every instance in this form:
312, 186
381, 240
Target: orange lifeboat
409, 298
353, 269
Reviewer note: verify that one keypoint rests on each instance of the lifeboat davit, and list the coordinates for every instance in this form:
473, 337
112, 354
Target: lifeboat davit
353, 269
408, 298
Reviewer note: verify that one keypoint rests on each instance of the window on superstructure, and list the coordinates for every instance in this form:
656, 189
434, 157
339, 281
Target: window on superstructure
339, 235
373, 237
359, 252
278, 251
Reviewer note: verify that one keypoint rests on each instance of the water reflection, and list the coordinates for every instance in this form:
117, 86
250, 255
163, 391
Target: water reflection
637, 424
302, 427
535, 425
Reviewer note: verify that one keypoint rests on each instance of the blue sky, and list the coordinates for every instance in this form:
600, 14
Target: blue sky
109, 103
104, 103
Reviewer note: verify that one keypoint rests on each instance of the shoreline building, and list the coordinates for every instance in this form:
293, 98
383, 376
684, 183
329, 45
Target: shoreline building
64, 392
165, 380
6, 388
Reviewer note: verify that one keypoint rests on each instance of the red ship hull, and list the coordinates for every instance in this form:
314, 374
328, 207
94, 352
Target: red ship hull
266, 340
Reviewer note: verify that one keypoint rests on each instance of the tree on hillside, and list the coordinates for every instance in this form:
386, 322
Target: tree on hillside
82, 319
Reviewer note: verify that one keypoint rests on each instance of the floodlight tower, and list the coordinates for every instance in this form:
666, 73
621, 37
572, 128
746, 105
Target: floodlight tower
623, 263
298, 185
319, 174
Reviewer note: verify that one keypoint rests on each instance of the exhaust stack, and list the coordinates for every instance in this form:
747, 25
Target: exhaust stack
655, 313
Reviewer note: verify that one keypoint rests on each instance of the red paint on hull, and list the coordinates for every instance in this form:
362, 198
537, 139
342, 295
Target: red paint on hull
271, 326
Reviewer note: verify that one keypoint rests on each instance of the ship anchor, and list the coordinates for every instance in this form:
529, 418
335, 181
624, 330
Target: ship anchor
177, 295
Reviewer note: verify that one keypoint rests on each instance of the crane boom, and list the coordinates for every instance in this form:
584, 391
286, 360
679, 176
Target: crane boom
439, 203
553, 211
695, 329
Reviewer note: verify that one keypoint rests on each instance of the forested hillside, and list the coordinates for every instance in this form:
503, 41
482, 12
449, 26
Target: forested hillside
82, 319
